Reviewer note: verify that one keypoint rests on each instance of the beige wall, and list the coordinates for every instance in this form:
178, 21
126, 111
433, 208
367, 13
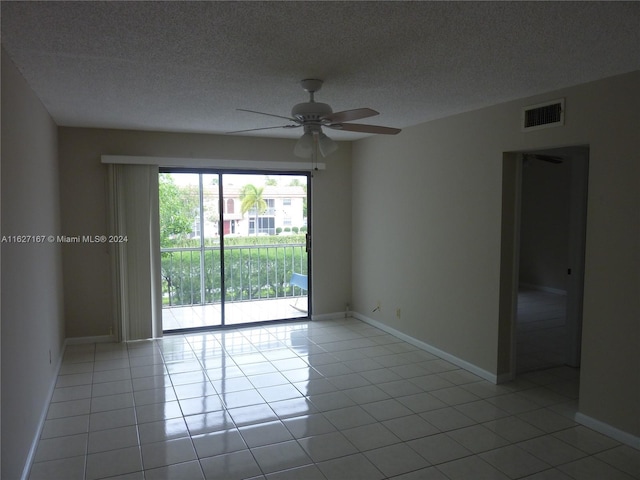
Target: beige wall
83, 184
544, 231
32, 318
427, 234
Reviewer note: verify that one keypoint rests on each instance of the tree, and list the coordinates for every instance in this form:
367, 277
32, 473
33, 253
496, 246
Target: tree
177, 206
251, 198
270, 182
177, 210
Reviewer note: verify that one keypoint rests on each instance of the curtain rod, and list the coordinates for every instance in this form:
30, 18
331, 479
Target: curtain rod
211, 163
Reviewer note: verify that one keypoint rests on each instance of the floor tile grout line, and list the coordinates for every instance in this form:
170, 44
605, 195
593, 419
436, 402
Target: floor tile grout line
86, 456
257, 346
544, 434
193, 446
135, 412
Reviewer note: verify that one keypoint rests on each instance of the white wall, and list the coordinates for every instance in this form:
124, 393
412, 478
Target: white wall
427, 235
83, 199
32, 310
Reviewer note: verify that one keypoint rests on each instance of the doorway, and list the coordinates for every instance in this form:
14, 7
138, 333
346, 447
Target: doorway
543, 251
234, 248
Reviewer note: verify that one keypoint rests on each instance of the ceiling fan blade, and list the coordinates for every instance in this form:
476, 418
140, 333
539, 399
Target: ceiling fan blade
549, 158
359, 127
267, 114
264, 128
350, 115
544, 158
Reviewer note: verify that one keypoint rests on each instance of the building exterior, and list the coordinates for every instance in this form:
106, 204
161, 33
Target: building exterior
285, 209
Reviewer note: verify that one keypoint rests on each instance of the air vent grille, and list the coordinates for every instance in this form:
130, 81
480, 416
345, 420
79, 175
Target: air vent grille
543, 115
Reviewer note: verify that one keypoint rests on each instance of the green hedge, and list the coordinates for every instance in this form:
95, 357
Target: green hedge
233, 241
250, 273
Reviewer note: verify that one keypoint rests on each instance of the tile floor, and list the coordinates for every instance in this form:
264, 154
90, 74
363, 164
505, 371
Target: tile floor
190, 316
540, 330
310, 401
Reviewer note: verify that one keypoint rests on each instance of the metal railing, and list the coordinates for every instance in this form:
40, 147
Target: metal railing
193, 275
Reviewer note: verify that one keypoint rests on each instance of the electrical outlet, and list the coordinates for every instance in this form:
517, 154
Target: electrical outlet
398, 312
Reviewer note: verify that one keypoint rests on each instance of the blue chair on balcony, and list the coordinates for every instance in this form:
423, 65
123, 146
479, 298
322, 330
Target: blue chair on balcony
301, 281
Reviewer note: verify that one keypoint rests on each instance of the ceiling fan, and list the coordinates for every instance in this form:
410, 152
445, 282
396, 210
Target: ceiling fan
545, 158
312, 116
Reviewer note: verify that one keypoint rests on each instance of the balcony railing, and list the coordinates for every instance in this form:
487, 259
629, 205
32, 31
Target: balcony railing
193, 275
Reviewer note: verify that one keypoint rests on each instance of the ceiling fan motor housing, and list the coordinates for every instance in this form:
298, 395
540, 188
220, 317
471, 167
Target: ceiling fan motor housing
311, 111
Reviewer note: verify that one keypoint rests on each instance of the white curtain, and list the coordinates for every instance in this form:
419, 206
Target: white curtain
137, 290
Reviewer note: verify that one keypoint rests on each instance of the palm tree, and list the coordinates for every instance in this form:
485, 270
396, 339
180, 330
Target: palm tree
251, 197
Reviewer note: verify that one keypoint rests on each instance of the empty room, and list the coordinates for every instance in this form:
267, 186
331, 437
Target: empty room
320, 240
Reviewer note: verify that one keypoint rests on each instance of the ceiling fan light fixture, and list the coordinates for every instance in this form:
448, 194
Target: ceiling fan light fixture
304, 146
326, 145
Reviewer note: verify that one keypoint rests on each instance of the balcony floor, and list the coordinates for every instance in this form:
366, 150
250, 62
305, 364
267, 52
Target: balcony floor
236, 313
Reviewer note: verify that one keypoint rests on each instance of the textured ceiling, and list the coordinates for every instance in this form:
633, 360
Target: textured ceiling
186, 66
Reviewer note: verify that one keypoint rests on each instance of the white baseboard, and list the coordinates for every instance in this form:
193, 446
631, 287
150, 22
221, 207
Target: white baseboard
606, 429
430, 348
542, 288
43, 417
597, 425
95, 339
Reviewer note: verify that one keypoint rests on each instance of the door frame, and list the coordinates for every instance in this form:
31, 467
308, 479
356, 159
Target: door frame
220, 172
512, 167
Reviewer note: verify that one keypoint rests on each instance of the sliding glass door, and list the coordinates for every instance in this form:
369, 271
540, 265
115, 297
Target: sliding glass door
234, 248
190, 250
264, 238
